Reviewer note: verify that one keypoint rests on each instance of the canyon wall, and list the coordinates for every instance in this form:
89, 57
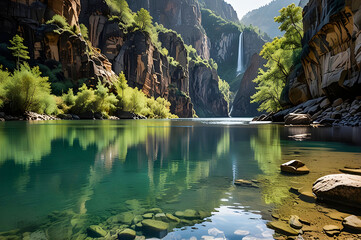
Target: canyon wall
331, 57
183, 16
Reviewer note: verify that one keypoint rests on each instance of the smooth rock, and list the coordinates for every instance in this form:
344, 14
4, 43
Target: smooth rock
331, 230
127, 234
295, 222
148, 215
283, 228
154, 225
351, 171
298, 119
245, 183
179, 214
191, 214
172, 218
161, 217
295, 167
352, 223
344, 189
96, 231
307, 196
325, 103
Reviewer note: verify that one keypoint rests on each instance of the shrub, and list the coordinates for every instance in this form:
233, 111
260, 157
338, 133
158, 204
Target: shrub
4, 78
26, 90
84, 31
60, 21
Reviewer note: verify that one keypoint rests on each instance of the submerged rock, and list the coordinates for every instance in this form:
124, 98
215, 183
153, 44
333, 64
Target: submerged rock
127, 234
295, 222
351, 171
294, 167
352, 223
155, 225
283, 228
148, 215
344, 189
245, 183
96, 231
191, 214
172, 218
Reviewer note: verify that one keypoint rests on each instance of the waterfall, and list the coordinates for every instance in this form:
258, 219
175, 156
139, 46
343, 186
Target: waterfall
240, 55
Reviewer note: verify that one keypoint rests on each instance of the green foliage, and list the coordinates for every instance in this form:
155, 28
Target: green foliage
224, 89
26, 90
290, 19
281, 54
121, 8
173, 62
84, 31
19, 50
4, 78
60, 21
135, 101
143, 20
197, 60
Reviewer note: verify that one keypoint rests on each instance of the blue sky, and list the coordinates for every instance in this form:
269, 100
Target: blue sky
244, 6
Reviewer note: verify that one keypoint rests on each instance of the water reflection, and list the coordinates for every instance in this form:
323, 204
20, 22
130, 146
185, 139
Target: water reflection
83, 172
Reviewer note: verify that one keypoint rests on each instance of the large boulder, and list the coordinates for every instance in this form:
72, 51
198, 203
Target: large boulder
298, 119
344, 189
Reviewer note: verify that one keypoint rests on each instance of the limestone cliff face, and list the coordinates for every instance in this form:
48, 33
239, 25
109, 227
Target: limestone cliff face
242, 106
221, 8
183, 16
332, 49
48, 42
208, 101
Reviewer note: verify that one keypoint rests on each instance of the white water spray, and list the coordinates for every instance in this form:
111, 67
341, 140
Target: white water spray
240, 55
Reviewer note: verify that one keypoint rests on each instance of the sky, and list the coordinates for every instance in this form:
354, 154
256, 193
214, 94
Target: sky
244, 6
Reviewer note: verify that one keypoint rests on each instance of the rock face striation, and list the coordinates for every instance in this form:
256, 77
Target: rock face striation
183, 16
221, 8
49, 42
242, 106
328, 84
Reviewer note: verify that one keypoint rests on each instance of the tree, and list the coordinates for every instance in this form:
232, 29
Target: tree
291, 23
281, 54
122, 9
27, 90
19, 50
224, 88
4, 77
143, 20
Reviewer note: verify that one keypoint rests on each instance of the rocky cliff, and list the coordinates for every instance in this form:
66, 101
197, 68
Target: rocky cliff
183, 16
221, 8
242, 106
51, 42
207, 99
329, 82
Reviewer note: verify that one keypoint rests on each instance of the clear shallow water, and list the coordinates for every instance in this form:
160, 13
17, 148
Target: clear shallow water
59, 177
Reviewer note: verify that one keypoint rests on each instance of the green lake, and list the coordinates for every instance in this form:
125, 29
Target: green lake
59, 177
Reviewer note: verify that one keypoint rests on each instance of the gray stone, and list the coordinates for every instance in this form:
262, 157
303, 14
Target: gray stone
337, 102
344, 189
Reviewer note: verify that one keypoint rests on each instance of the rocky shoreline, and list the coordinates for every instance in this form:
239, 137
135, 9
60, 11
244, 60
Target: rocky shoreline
32, 116
320, 112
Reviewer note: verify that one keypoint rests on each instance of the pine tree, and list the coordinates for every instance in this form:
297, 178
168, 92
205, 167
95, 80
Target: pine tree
143, 20
19, 50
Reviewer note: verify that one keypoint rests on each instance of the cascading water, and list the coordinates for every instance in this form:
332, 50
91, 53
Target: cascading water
240, 55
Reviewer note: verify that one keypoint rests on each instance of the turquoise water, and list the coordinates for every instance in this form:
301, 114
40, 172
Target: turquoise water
59, 177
